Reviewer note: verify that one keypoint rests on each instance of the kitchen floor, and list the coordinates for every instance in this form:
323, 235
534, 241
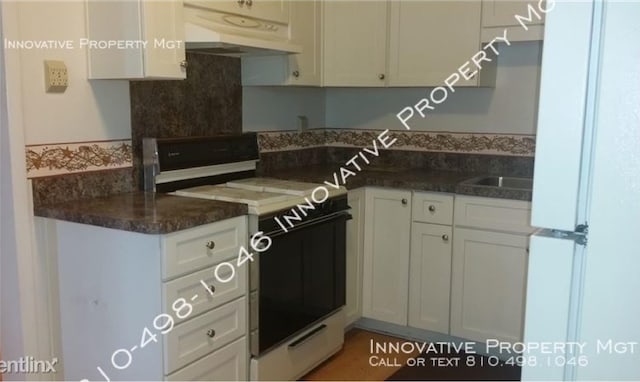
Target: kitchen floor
352, 362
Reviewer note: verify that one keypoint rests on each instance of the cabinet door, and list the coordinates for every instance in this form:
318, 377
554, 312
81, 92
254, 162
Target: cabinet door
355, 43
305, 24
269, 10
158, 23
386, 255
293, 69
429, 40
355, 242
163, 25
488, 285
499, 13
430, 277
227, 364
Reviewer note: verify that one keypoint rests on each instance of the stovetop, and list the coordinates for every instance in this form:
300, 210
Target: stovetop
262, 195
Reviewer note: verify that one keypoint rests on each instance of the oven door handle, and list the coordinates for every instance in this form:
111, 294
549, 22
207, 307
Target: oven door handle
307, 336
324, 219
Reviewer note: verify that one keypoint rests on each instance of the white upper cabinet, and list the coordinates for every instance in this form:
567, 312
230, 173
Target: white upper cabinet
355, 43
303, 68
430, 40
269, 10
523, 19
155, 30
376, 44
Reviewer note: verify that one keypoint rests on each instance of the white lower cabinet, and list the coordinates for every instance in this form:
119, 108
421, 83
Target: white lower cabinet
488, 285
488, 274
467, 280
203, 334
430, 277
127, 293
386, 255
227, 364
355, 252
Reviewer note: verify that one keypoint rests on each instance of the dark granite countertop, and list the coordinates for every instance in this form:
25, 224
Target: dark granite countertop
143, 212
160, 213
405, 178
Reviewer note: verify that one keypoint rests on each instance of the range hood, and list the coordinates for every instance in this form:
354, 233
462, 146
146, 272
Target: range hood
216, 31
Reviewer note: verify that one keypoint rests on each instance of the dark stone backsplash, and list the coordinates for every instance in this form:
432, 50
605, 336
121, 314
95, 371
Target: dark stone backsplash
338, 156
284, 160
49, 190
207, 103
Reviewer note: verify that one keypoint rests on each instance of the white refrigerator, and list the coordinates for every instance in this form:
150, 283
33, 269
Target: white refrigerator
583, 285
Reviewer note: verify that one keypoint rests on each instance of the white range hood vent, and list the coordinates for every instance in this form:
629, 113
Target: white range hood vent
212, 31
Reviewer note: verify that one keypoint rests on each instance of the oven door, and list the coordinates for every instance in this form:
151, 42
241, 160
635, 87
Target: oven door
301, 278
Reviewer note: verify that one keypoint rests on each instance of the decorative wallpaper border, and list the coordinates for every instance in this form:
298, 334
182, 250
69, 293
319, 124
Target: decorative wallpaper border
67, 158
463, 143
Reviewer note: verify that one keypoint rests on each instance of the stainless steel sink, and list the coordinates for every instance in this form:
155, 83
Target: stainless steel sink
503, 182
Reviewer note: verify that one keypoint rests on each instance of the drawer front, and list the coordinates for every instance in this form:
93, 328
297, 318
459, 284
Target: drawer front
197, 248
286, 363
493, 214
191, 339
432, 208
191, 288
227, 364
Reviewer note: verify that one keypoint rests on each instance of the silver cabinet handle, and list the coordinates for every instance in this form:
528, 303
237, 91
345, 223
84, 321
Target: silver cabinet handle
210, 245
211, 333
184, 64
381, 76
432, 208
404, 201
296, 73
445, 237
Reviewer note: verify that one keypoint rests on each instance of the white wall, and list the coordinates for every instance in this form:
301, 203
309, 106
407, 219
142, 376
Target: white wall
11, 341
87, 111
508, 108
277, 108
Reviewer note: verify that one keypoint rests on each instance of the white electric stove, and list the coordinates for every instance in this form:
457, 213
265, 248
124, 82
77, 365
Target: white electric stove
297, 286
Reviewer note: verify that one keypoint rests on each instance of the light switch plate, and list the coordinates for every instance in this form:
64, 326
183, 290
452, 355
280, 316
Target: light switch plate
56, 79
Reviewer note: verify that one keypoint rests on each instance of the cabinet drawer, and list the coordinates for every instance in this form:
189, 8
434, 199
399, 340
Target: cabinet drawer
187, 251
493, 214
191, 339
285, 362
226, 364
190, 288
432, 208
